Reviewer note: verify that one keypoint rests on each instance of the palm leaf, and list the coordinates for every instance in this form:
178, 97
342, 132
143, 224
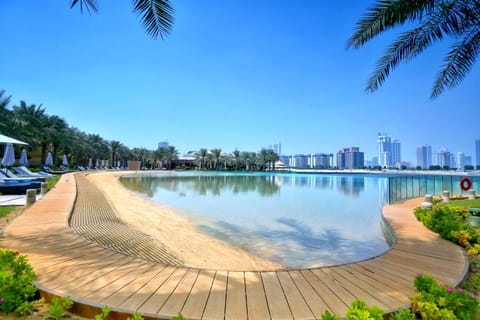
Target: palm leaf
88, 4
437, 25
387, 14
459, 62
156, 16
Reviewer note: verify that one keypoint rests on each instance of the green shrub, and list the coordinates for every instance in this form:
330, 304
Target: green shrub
328, 316
105, 312
58, 308
360, 311
434, 301
449, 222
16, 276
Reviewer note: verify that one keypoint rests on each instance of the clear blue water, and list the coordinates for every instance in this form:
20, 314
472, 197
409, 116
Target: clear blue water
297, 220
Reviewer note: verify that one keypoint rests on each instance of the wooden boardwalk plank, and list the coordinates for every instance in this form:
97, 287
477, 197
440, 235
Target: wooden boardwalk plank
277, 302
236, 304
215, 308
257, 307
197, 300
174, 304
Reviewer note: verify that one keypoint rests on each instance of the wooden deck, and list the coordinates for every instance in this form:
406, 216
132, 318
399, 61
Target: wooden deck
94, 276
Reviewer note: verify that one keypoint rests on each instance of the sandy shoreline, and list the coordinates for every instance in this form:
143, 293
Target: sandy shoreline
195, 248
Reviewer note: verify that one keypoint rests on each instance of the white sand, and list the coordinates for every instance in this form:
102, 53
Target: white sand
195, 248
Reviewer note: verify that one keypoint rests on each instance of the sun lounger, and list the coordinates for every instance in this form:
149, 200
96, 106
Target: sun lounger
24, 171
48, 170
8, 174
15, 187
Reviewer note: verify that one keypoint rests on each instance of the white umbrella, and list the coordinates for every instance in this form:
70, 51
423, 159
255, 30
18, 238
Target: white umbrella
49, 160
90, 163
97, 163
119, 164
103, 163
23, 158
9, 155
65, 160
5, 139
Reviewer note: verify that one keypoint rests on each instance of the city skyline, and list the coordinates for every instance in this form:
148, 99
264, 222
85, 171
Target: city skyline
275, 72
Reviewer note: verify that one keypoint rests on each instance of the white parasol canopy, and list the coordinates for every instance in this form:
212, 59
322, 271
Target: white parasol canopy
5, 139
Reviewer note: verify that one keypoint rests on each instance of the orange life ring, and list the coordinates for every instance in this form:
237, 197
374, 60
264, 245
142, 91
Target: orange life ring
465, 184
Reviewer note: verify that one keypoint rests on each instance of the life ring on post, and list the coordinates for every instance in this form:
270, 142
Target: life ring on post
465, 184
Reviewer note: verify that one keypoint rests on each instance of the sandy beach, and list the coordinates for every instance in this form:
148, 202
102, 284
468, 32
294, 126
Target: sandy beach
195, 248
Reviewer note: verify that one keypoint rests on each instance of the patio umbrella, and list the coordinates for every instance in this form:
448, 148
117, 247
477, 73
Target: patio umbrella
97, 163
49, 160
90, 163
23, 158
5, 139
8, 156
65, 160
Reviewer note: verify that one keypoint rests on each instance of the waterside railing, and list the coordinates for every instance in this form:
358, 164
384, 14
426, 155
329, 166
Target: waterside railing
407, 187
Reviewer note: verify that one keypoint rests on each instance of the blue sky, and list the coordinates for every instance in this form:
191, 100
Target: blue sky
232, 74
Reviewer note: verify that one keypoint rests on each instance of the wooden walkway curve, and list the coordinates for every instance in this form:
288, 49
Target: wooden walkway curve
94, 276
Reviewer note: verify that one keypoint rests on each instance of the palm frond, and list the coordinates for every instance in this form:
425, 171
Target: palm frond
88, 4
387, 14
459, 62
156, 16
408, 45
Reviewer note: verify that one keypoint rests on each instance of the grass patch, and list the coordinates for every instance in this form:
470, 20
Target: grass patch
474, 203
4, 211
52, 181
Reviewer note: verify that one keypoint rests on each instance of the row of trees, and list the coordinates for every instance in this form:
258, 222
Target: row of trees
50, 133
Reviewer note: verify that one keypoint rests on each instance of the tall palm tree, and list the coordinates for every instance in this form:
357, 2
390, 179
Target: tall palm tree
156, 15
236, 158
114, 148
201, 156
29, 122
216, 156
5, 113
434, 21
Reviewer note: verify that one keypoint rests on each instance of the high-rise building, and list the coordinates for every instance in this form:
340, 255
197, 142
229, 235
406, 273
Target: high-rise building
321, 160
477, 152
163, 145
384, 148
389, 153
350, 158
396, 153
300, 161
443, 158
424, 156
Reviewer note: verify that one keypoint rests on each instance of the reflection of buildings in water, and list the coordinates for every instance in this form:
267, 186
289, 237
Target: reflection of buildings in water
351, 186
383, 196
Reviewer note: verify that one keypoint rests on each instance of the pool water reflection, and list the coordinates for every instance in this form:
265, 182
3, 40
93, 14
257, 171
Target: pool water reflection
297, 220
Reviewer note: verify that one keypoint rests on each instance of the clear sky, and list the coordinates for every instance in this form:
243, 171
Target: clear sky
232, 74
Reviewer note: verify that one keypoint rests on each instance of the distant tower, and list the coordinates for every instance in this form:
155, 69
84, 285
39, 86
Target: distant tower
163, 145
477, 152
396, 152
384, 147
424, 156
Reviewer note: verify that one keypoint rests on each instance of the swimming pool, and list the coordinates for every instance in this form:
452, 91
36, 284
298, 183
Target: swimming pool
297, 220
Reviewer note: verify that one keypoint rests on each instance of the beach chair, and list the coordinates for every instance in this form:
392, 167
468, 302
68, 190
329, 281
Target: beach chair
8, 174
22, 170
13, 187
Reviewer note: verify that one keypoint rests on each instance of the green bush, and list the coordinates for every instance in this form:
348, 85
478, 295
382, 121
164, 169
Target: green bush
59, 307
434, 301
360, 311
16, 276
448, 221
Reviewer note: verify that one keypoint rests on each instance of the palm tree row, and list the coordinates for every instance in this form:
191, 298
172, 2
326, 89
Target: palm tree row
216, 159
49, 133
